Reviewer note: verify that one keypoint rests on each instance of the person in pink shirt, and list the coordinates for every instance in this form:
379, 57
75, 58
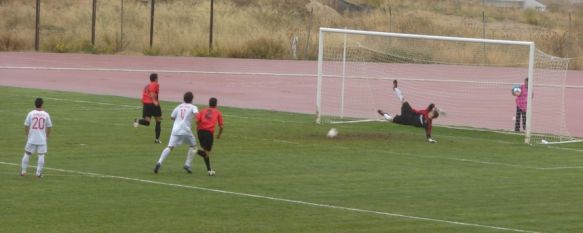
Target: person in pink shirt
521, 101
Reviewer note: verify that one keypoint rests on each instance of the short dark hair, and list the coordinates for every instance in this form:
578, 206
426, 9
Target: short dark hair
430, 107
188, 97
153, 77
38, 102
213, 102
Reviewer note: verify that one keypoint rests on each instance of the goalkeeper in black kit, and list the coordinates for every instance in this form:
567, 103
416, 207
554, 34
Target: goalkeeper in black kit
409, 116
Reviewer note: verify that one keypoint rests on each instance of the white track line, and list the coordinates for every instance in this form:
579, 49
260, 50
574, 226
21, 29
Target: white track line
139, 107
158, 71
567, 149
51, 174
97, 103
560, 168
494, 163
286, 200
251, 74
514, 165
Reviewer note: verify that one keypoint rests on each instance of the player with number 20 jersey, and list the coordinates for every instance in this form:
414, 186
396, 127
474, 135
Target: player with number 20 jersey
37, 128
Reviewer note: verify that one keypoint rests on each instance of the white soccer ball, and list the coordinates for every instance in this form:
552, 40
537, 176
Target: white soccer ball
544, 141
332, 133
516, 91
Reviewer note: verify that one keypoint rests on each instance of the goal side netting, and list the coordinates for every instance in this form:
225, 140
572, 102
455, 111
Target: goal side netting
470, 79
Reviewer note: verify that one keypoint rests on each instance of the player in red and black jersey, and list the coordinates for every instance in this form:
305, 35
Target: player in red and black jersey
151, 106
206, 121
409, 116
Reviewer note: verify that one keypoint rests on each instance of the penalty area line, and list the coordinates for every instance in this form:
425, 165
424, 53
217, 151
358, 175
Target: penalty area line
426, 219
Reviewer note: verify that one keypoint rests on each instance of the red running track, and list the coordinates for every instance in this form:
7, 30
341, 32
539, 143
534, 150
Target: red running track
280, 85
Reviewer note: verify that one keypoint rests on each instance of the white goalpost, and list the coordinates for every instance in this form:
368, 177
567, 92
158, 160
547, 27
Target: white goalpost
471, 78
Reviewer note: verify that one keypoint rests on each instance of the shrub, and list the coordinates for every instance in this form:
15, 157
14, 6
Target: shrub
531, 17
262, 48
10, 42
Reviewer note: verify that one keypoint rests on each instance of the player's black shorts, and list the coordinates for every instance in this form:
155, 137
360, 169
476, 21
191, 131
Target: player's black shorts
151, 110
408, 116
206, 139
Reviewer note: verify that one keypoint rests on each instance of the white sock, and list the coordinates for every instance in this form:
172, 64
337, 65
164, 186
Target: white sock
189, 157
25, 159
399, 94
164, 154
40, 164
387, 117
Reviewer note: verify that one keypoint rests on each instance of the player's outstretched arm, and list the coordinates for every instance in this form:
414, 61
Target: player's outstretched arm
220, 132
428, 134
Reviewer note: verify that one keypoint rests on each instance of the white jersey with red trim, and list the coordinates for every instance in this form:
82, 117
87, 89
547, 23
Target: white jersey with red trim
183, 115
38, 122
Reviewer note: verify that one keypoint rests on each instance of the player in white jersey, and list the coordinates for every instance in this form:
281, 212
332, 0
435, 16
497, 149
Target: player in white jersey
37, 128
182, 116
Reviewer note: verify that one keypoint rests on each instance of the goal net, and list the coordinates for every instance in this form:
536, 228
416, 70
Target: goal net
471, 79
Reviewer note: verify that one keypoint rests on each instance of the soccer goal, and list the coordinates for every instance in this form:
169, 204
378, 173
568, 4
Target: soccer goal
472, 79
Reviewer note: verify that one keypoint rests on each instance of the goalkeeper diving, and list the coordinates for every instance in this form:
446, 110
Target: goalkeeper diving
409, 116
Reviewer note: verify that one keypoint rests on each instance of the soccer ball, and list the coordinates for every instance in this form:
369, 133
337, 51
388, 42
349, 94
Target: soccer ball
516, 91
332, 133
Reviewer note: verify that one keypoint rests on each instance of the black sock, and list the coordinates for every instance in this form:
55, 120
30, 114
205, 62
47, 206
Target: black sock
144, 122
202, 153
207, 162
158, 129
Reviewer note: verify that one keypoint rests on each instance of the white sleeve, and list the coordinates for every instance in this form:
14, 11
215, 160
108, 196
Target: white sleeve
175, 112
27, 120
194, 110
48, 123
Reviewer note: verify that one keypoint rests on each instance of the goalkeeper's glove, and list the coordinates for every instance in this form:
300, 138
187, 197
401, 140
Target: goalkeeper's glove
430, 140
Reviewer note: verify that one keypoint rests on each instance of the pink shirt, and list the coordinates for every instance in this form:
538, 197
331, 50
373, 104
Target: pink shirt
521, 99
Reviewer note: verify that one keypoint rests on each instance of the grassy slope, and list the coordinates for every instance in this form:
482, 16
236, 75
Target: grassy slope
469, 177
263, 28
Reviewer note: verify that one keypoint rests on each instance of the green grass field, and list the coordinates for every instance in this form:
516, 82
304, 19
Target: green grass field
277, 172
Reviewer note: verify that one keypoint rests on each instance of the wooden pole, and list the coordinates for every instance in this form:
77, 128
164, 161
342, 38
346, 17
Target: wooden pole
390, 19
120, 45
93, 16
211, 25
37, 26
152, 7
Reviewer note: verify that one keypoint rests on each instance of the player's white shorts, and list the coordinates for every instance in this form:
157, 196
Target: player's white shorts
176, 140
33, 148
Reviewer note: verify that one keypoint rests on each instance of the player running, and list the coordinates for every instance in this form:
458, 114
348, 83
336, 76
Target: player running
37, 128
206, 121
409, 116
182, 116
151, 106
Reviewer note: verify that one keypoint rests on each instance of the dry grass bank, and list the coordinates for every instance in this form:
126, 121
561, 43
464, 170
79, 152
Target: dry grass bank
264, 28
